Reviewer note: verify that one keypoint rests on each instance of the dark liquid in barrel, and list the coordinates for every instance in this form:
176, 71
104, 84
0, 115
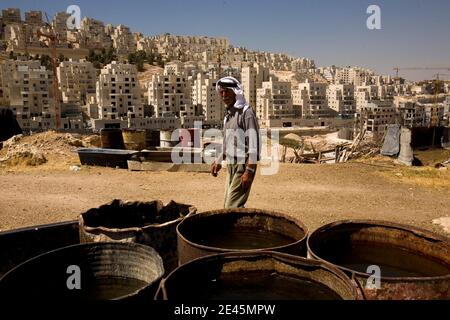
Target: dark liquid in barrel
264, 286
393, 261
243, 238
107, 288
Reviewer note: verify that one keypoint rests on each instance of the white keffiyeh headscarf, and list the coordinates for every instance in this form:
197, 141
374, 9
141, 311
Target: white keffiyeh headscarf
233, 84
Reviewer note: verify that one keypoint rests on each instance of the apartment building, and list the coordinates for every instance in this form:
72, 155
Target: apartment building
365, 94
274, 101
434, 114
302, 65
59, 24
123, 40
27, 89
411, 114
252, 78
94, 32
341, 99
33, 17
118, 92
169, 92
375, 117
355, 76
204, 94
76, 80
11, 15
312, 98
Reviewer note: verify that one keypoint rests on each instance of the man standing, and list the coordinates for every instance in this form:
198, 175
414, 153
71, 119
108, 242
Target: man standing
240, 147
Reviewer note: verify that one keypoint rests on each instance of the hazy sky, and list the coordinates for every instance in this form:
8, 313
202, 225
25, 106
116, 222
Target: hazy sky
414, 33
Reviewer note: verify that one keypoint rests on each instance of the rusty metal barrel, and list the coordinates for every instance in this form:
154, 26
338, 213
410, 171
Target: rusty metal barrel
134, 139
111, 138
152, 138
256, 276
387, 260
241, 230
94, 271
151, 223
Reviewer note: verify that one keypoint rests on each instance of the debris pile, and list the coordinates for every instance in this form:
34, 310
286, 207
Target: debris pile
36, 149
325, 148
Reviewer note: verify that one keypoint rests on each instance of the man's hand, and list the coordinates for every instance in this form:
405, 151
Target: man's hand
215, 168
246, 179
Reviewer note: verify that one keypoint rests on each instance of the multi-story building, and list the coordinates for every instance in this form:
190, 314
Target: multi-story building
365, 94
27, 89
252, 78
312, 98
123, 40
94, 33
118, 92
59, 24
204, 95
447, 105
169, 93
411, 114
341, 99
33, 17
434, 114
302, 65
274, 101
386, 92
11, 15
376, 116
355, 76
76, 80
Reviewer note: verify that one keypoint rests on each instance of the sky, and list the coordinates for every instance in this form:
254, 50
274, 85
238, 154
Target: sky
414, 33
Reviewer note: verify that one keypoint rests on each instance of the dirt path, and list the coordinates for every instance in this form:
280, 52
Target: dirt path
318, 194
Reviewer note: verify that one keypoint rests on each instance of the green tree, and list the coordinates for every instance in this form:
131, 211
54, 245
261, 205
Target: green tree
46, 61
132, 58
140, 66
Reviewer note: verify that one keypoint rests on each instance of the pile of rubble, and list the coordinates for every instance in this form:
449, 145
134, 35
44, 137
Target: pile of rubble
36, 149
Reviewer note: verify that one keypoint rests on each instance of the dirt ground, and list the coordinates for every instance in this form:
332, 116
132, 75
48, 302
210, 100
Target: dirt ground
317, 194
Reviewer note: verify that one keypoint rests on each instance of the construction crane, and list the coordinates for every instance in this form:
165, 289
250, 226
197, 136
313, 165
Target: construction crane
438, 75
53, 38
397, 69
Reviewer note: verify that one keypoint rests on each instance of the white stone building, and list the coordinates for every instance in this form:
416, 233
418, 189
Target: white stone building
204, 94
341, 99
312, 98
11, 15
365, 94
59, 24
76, 80
33, 17
118, 92
411, 114
274, 101
375, 117
169, 93
94, 33
252, 78
123, 40
27, 90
